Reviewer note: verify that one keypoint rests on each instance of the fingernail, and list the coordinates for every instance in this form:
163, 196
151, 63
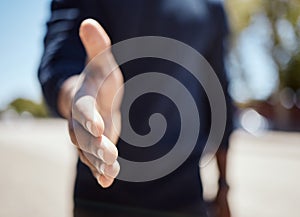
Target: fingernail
100, 154
102, 168
89, 126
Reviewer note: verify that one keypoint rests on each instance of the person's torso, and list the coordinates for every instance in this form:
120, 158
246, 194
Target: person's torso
192, 22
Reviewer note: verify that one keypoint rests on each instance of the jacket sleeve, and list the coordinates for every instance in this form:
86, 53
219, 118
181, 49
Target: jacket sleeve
217, 60
64, 54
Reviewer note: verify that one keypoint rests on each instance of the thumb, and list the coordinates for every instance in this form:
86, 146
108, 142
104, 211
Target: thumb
93, 37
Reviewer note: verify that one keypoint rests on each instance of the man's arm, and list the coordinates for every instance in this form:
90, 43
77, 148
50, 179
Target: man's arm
218, 54
64, 54
222, 207
222, 164
63, 60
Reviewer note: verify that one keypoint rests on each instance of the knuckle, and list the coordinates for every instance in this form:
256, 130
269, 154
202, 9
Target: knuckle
115, 169
114, 153
110, 150
112, 170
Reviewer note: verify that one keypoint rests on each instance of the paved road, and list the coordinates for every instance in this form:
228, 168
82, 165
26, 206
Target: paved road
37, 164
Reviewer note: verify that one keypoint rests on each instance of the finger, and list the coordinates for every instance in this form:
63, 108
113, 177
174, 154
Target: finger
112, 170
84, 160
95, 172
100, 147
93, 37
107, 170
104, 181
110, 151
85, 112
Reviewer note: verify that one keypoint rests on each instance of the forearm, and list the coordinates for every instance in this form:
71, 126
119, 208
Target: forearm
63, 56
222, 165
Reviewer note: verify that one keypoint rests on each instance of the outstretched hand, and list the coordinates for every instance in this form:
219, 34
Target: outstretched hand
94, 116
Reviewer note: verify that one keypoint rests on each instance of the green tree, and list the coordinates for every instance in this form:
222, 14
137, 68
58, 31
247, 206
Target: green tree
20, 105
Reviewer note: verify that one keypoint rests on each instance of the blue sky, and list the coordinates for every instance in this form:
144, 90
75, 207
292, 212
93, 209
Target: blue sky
22, 30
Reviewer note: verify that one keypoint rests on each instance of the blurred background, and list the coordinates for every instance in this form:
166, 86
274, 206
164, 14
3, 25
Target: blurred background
36, 176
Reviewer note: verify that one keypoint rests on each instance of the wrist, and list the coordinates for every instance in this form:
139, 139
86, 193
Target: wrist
66, 95
223, 183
